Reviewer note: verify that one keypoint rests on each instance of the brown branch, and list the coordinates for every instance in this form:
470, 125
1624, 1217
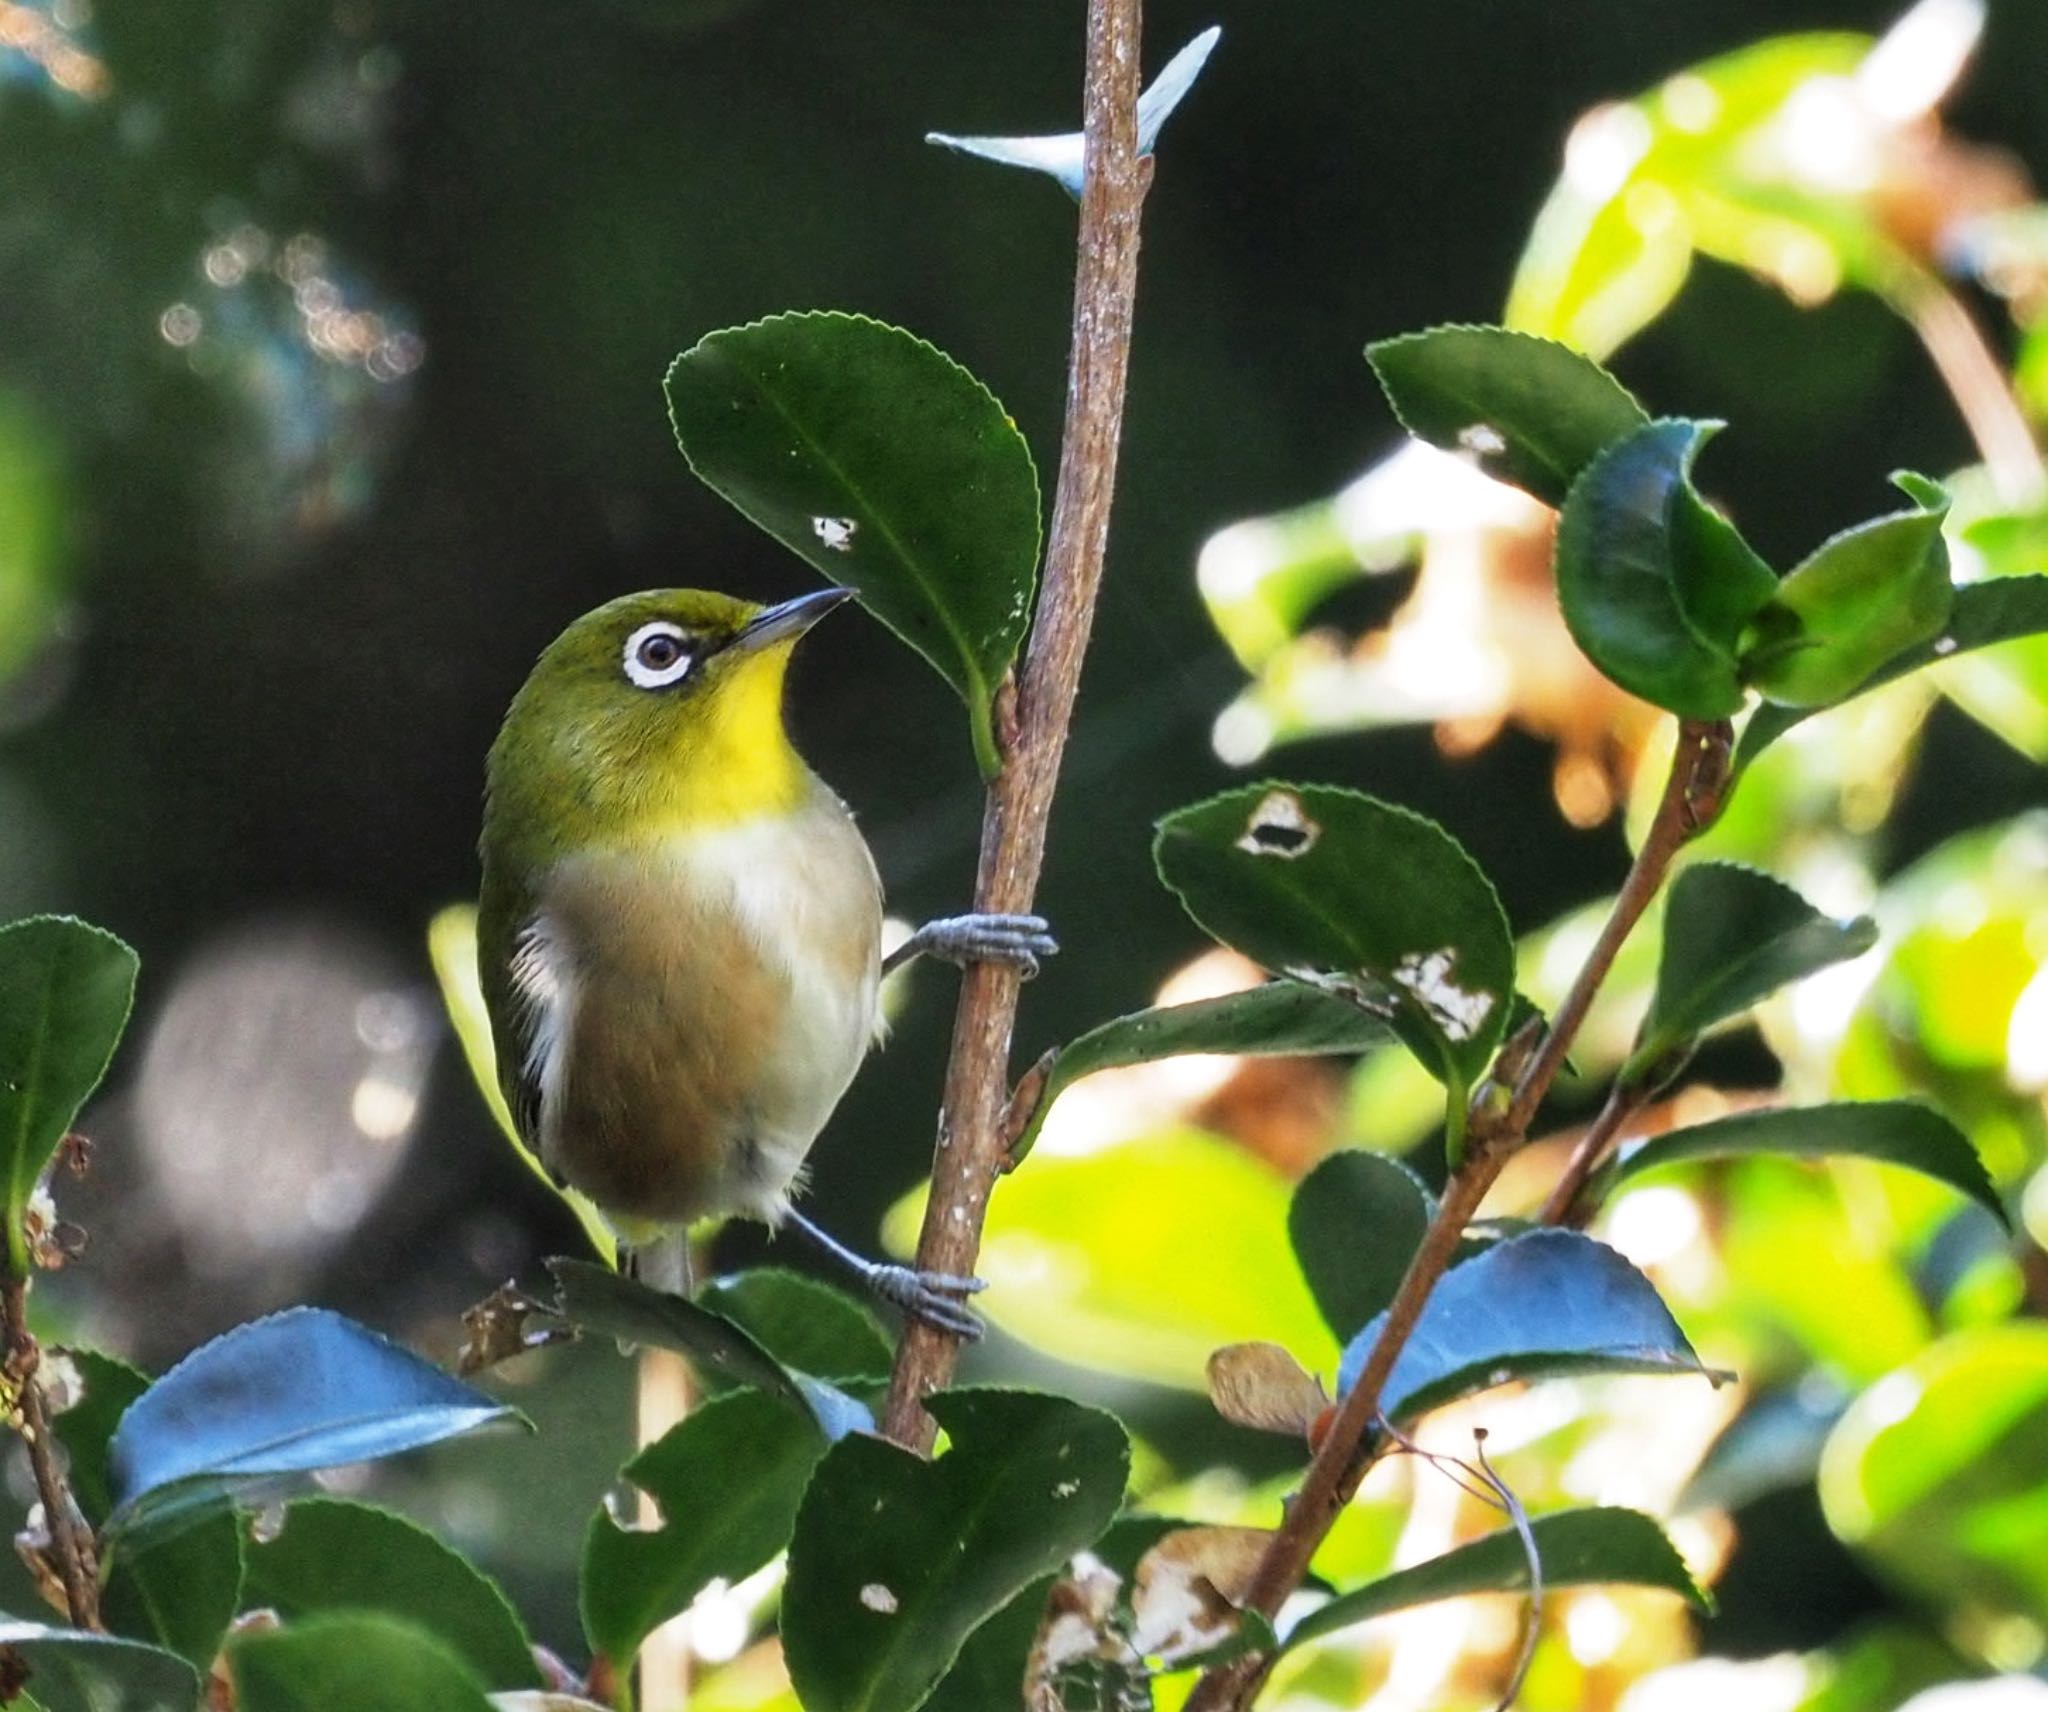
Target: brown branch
76, 1564
971, 1149
1982, 393
1588, 1154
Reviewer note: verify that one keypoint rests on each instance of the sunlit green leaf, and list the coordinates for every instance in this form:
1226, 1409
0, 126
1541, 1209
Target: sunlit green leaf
1534, 413
1733, 936
65, 990
1546, 1303
1357, 897
1279, 1019
1356, 1221
886, 465
1898, 1132
335, 1555
896, 1561
727, 1479
68, 1670
350, 1662
33, 534
1576, 1548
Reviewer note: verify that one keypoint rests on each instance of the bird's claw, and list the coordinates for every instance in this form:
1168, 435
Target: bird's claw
1020, 940
931, 1297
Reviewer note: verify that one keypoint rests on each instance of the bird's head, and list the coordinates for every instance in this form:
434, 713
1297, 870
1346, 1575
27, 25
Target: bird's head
654, 713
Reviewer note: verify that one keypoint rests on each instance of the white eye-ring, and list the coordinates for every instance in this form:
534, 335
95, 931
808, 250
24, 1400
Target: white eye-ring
658, 655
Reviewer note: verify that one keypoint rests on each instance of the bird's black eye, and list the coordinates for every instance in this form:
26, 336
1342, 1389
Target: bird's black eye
657, 655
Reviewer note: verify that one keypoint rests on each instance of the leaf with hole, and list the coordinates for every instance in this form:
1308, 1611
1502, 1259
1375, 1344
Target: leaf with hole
896, 1561
299, 1391
1531, 1307
727, 1479
1356, 1221
69, 1670
1354, 897
1732, 937
1282, 1019
1575, 1548
353, 1661
65, 992
1533, 412
888, 467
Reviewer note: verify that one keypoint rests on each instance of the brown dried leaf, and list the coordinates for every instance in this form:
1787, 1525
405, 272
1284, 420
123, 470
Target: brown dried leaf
1079, 1626
1260, 1385
1188, 1588
498, 1328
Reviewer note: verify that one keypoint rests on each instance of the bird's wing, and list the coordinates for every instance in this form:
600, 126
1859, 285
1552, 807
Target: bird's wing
526, 992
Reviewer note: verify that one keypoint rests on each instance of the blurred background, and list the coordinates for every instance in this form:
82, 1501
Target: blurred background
331, 340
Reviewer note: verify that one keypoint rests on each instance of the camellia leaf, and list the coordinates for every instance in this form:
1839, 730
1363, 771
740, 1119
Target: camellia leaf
181, 1590
1356, 1221
70, 1670
1550, 1302
1898, 1132
2004, 609
805, 1325
886, 465
1282, 1019
1858, 601
334, 1555
301, 1390
354, 1661
1733, 936
1357, 897
896, 1561
727, 1479
1631, 577
1533, 412
65, 992
85, 1428
628, 1310
1576, 1548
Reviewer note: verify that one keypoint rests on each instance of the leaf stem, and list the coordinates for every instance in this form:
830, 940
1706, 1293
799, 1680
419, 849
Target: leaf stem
1978, 384
1592, 1149
76, 1564
972, 1151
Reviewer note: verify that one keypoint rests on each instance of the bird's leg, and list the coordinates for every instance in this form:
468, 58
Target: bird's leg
928, 1296
965, 939
663, 1264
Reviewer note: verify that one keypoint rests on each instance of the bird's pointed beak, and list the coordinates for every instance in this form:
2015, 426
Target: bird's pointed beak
790, 619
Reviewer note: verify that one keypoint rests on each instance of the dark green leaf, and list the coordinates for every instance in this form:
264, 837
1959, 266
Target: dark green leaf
896, 1561
1355, 897
1720, 580
1623, 561
182, 1590
1281, 1019
1356, 1220
1535, 413
65, 991
71, 1671
885, 464
1899, 1132
727, 1479
1551, 1302
803, 1324
301, 1390
1576, 1548
1733, 936
2003, 609
86, 1428
354, 1661
334, 1555
1860, 600
601, 1301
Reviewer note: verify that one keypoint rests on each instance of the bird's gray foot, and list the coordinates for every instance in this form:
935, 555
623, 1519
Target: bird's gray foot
963, 939
933, 1297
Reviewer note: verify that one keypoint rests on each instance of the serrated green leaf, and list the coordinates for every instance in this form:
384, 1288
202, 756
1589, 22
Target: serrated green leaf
1356, 1221
727, 1479
805, 1325
1576, 1548
1356, 897
350, 1662
1897, 1132
1533, 412
888, 467
1547, 1303
1859, 600
1282, 1019
334, 1555
181, 1591
65, 992
1621, 564
2004, 609
1733, 936
69, 1670
896, 1561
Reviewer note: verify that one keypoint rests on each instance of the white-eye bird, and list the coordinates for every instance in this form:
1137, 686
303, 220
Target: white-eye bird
679, 935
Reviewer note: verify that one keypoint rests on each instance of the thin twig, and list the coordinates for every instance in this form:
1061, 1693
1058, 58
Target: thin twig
76, 1568
1982, 393
971, 1150
1589, 1154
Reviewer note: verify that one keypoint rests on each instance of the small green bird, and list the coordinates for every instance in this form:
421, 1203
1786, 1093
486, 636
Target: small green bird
680, 930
